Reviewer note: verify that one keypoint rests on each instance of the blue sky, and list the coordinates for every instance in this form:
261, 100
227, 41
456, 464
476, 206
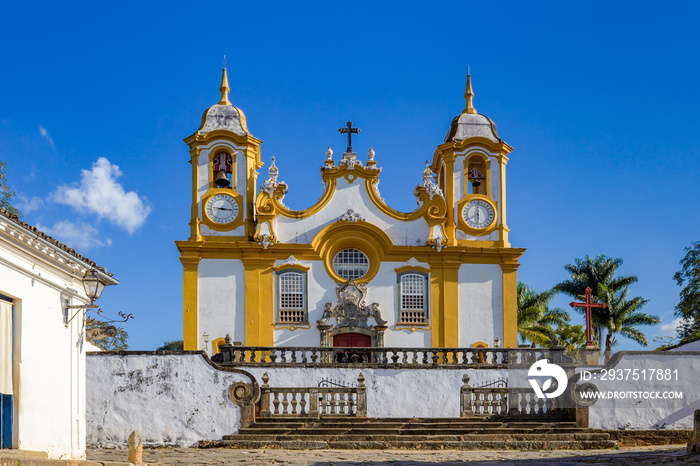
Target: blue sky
598, 99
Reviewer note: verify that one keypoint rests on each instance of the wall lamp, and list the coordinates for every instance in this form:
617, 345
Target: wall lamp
94, 285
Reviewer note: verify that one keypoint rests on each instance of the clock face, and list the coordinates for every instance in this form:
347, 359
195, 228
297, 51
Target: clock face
222, 208
478, 214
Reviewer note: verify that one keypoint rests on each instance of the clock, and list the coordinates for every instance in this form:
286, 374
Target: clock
222, 209
478, 214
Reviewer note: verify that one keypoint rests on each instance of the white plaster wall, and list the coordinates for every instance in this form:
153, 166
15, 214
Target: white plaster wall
692, 346
351, 196
48, 359
321, 290
480, 304
650, 413
239, 181
170, 399
221, 300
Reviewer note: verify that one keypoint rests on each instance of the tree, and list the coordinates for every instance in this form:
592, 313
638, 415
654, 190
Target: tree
176, 345
6, 193
593, 273
535, 319
622, 315
689, 278
571, 337
111, 343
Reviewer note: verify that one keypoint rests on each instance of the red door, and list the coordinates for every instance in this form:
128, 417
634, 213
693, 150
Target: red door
350, 340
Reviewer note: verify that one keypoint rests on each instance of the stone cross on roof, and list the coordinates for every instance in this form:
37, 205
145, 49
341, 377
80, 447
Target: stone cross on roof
350, 131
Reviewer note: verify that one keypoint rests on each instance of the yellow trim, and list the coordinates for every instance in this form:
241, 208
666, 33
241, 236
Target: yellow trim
462, 224
189, 303
259, 302
224, 239
215, 344
407, 268
479, 344
279, 268
232, 225
292, 327
444, 304
510, 304
503, 227
364, 236
413, 328
194, 217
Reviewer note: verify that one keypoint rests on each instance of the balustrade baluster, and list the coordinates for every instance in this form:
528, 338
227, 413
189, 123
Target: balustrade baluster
283, 355
285, 403
425, 357
540, 406
395, 357
252, 355
304, 360
294, 403
314, 356
294, 356
523, 404
276, 403
273, 356
302, 404
533, 405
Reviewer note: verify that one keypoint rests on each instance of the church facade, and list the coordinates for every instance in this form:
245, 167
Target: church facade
348, 270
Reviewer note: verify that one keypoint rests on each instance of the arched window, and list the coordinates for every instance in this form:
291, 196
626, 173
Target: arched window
222, 170
413, 298
477, 171
351, 264
292, 296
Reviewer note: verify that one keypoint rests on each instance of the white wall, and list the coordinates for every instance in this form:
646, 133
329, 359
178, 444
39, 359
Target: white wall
180, 399
48, 359
221, 300
480, 304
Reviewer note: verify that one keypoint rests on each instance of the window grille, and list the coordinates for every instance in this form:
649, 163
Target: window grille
292, 302
351, 264
412, 298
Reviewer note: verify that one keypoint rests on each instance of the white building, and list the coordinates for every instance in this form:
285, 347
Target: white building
42, 342
349, 270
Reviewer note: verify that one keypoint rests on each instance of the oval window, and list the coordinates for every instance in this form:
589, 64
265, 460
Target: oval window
351, 264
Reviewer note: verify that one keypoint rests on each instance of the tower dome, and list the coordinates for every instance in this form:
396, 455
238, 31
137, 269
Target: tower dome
224, 115
470, 123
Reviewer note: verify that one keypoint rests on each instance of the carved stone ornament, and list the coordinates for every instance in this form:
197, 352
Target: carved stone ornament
351, 311
351, 216
430, 187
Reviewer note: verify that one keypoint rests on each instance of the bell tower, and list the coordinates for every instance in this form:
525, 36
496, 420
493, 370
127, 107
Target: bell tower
471, 168
224, 157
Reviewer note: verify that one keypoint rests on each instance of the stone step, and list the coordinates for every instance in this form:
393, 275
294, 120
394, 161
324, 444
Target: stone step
401, 424
406, 431
421, 438
409, 444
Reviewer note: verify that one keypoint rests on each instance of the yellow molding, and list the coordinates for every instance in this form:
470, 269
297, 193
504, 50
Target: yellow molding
279, 268
413, 328
308, 252
479, 344
444, 304
190, 324
215, 344
259, 301
416, 268
302, 326
510, 305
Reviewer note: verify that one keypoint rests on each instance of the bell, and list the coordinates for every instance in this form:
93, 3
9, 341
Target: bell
221, 180
476, 183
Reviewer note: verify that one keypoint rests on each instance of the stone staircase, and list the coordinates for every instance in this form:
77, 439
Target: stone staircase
422, 434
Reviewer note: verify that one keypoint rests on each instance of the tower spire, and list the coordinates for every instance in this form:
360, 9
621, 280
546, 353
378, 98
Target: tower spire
469, 95
224, 87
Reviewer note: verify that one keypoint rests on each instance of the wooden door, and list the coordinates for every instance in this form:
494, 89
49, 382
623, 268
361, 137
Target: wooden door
352, 340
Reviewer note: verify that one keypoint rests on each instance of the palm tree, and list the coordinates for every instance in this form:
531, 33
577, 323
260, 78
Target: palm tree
535, 319
593, 273
622, 315
571, 337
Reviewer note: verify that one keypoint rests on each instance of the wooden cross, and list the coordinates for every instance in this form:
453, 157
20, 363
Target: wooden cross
350, 130
588, 305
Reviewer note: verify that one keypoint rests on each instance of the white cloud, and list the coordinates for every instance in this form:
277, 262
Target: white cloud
27, 205
45, 135
99, 193
671, 327
79, 236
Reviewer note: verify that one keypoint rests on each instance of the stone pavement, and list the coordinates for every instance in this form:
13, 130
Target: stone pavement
638, 456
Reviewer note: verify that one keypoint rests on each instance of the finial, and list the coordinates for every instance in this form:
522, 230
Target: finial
370, 154
329, 157
427, 173
273, 170
469, 95
224, 87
